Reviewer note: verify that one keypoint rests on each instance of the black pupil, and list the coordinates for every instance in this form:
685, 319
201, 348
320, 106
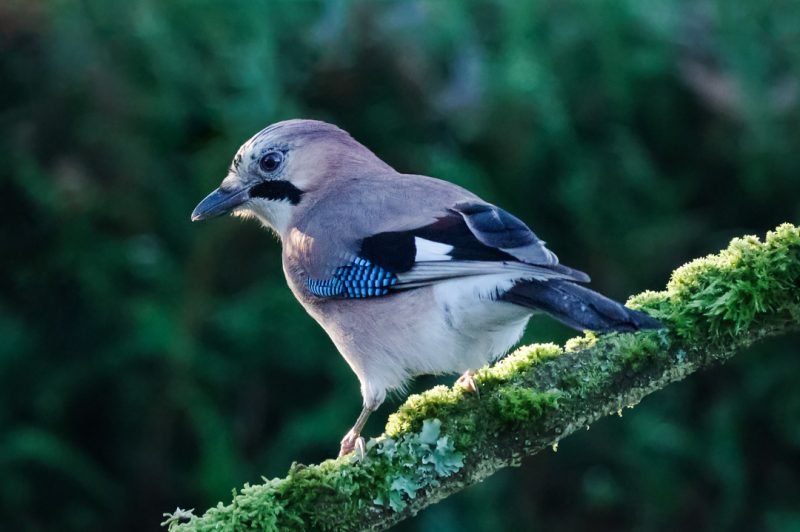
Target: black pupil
270, 161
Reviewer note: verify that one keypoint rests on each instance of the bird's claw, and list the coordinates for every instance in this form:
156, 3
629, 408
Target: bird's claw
353, 442
467, 383
361, 448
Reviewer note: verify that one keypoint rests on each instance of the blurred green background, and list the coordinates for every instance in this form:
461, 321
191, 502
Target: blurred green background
147, 363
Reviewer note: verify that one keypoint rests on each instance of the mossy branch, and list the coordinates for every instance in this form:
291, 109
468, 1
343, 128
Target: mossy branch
444, 440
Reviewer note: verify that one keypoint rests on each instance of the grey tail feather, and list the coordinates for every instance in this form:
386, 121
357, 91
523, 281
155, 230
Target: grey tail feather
578, 307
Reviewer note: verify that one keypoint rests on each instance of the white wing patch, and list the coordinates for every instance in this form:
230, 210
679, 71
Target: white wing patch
428, 250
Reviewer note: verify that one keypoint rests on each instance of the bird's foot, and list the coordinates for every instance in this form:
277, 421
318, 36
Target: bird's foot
353, 441
467, 383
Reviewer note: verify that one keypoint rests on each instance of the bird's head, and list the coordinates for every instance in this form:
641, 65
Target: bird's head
276, 171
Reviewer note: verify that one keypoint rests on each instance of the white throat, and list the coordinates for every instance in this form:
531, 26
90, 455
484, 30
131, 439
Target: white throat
273, 214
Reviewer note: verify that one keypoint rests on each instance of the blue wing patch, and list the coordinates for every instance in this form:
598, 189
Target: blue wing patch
360, 278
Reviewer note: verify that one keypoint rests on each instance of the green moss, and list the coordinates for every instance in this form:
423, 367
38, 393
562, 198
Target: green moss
713, 304
654, 303
579, 343
718, 297
332, 495
516, 404
438, 402
637, 350
517, 363
449, 402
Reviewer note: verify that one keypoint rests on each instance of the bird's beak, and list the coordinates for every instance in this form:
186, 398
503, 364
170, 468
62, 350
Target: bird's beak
219, 202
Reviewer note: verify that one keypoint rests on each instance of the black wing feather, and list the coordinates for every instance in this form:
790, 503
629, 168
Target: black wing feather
483, 238
396, 250
494, 226
499, 229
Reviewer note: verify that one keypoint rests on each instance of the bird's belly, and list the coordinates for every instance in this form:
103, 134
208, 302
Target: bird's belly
470, 344
436, 338
480, 328
422, 331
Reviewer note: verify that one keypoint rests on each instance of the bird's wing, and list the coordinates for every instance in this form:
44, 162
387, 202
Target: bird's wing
469, 239
500, 230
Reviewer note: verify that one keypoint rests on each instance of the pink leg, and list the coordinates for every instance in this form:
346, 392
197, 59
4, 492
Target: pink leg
353, 440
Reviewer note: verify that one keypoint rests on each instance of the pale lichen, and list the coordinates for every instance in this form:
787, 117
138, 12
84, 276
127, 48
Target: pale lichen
419, 461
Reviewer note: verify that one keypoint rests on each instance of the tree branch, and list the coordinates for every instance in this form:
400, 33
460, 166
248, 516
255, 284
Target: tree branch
444, 440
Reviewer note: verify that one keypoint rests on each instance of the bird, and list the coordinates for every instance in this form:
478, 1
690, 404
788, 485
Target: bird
408, 274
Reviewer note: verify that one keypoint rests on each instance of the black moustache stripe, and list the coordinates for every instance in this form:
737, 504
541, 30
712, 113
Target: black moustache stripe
277, 190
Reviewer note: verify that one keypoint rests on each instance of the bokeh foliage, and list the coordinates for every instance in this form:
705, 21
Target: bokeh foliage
146, 362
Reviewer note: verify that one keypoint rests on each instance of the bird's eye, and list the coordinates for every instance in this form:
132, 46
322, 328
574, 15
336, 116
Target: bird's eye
271, 161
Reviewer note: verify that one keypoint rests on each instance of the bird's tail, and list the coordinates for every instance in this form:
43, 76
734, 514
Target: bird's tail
578, 307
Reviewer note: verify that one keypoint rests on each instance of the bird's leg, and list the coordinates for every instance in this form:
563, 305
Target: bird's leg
353, 440
467, 383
